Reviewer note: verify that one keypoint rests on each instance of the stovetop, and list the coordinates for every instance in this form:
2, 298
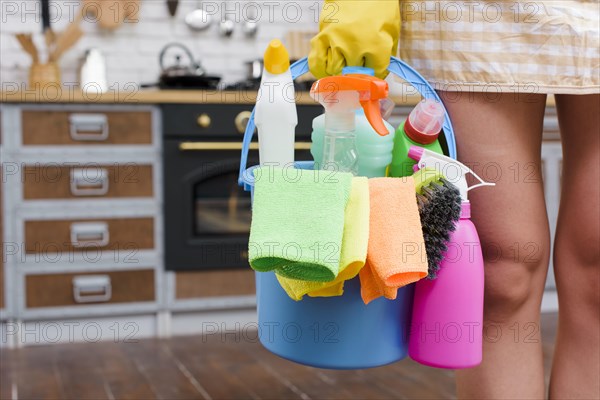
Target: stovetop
254, 84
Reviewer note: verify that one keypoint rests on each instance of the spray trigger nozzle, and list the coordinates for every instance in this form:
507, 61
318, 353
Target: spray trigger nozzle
344, 94
454, 171
482, 182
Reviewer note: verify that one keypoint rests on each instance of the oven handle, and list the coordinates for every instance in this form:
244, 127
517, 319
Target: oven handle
200, 146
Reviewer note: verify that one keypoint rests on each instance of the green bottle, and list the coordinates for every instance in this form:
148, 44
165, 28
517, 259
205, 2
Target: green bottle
421, 128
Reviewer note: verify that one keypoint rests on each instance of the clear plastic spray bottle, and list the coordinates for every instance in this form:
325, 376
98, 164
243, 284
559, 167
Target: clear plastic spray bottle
342, 96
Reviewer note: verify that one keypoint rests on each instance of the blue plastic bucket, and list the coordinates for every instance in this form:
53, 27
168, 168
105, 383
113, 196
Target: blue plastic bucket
335, 332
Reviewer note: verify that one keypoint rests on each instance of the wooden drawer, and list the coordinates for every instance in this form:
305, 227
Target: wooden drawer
42, 127
53, 290
81, 234
214, 283
87, 181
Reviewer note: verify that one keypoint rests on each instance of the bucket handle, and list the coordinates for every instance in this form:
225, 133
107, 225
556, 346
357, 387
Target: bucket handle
396, 67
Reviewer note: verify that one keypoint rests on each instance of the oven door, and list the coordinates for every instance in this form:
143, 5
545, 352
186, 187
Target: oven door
207, 215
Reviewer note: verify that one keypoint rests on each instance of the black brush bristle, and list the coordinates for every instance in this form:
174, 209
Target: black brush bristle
439, 209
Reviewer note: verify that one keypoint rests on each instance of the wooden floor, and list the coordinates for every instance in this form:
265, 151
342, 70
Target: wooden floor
205, 368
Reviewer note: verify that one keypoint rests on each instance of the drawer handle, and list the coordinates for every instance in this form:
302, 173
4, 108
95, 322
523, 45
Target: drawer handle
89, 234
198, 146
89, 181
92, 288
88, 127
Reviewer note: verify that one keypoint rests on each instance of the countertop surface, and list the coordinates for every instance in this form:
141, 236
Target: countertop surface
152, 96
55, 95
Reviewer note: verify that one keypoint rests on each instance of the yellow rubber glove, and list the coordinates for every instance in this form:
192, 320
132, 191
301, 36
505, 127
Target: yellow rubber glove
360, 33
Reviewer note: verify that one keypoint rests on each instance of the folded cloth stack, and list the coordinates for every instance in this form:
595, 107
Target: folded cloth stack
317, 231
353, 248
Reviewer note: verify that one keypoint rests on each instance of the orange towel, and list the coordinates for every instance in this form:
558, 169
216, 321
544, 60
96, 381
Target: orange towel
371, 287
396, 253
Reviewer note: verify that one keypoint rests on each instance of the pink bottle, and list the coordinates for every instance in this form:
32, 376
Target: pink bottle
447, 318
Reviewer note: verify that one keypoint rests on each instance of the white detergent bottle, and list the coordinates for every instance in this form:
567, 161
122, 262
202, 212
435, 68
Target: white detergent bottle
275, 113
374, 151
342, 96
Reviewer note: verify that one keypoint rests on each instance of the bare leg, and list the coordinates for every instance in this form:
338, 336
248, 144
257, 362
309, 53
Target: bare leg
576, 367
501, 140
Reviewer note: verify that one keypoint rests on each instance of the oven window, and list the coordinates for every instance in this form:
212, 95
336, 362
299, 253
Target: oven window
221, 206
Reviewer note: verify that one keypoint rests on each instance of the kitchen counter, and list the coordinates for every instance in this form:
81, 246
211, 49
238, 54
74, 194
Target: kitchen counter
153, 96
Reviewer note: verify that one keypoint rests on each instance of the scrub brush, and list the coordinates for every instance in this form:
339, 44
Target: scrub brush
439, 205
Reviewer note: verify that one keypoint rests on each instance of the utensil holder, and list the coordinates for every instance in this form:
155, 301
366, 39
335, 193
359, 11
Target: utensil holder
41, 75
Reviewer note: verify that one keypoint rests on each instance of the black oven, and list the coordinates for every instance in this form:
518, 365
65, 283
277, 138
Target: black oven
207, 215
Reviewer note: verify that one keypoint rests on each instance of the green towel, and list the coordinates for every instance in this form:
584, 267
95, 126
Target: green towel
298, 222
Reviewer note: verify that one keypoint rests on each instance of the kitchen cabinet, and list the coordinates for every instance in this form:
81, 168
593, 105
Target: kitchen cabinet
84, 206
83, 201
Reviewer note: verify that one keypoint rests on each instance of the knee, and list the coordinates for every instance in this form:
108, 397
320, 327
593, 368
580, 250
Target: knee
578, 249
515, 273
577, 266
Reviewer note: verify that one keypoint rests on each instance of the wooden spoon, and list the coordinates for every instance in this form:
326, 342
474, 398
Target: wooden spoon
66, 40
26, 42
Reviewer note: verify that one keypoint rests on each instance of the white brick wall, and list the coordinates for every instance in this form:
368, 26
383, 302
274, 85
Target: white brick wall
132, 50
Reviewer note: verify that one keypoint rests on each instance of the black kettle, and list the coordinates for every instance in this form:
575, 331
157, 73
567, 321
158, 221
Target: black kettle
190, 75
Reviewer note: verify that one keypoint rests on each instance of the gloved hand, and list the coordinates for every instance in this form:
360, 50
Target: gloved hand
355, 33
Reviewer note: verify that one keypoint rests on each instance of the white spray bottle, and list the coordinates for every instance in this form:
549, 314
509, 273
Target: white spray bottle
275, 114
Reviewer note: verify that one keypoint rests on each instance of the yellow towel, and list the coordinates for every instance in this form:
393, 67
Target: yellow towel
353, 252
396, 254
